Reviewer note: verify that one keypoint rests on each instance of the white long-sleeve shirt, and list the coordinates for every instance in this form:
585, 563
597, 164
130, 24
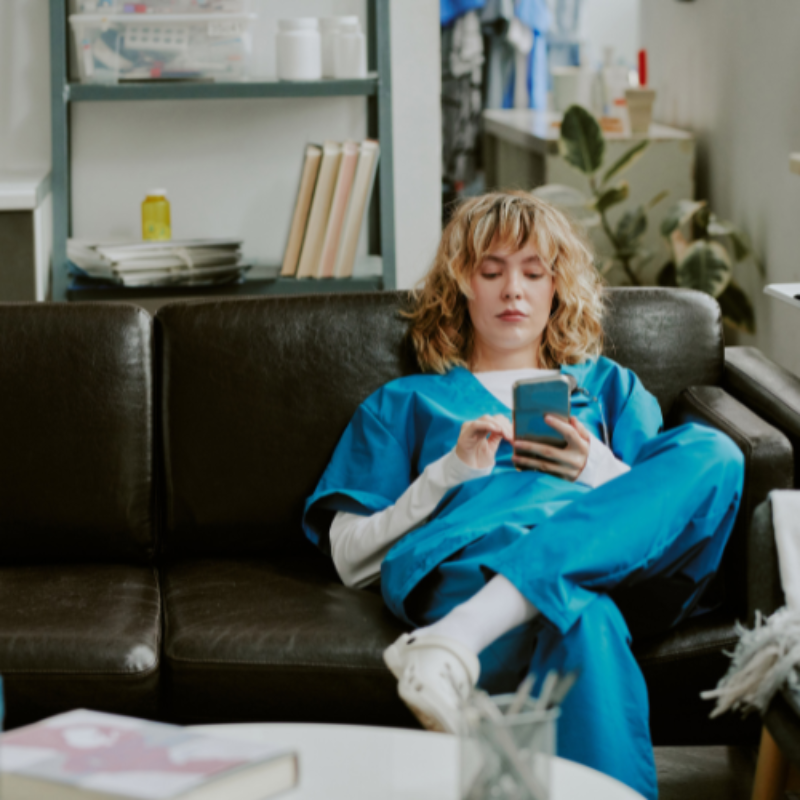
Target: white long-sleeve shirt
360, 543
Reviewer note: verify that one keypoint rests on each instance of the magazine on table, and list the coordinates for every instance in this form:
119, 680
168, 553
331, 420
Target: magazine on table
99, 756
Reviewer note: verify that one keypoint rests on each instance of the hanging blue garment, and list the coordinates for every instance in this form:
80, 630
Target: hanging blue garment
538, 72
633, 554
496, 16
535, 15
451, 10
563, 44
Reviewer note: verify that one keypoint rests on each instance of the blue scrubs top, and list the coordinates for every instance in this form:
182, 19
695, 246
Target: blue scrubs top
413, 421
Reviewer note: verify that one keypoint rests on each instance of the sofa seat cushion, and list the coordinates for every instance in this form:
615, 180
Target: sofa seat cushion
284, 640
79, 635
250, 640
678, 666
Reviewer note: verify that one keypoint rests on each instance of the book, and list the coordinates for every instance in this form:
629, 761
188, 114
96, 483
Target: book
308, 178
320, 210
363, 182
341, 194
99, 756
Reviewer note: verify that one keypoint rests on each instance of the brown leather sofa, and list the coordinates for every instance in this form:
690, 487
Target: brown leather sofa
153, 474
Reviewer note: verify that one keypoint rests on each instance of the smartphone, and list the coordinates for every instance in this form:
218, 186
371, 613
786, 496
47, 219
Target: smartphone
533, 399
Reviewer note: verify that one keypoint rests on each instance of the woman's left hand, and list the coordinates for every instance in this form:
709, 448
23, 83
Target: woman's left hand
563, 462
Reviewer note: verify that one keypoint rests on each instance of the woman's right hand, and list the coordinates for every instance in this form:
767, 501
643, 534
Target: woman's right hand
479, 439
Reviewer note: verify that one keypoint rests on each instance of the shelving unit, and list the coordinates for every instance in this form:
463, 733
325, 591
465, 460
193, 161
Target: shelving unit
376, 89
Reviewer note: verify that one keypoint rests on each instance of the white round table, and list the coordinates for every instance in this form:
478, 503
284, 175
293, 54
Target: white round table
352, 762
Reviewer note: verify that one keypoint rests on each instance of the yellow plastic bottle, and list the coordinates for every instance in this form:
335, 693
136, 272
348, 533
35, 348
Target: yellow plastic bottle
155, 216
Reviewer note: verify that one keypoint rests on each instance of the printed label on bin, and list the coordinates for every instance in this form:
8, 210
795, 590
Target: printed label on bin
224, 27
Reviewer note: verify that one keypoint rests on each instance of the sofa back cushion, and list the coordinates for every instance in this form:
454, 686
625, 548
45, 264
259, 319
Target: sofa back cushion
671, 338
76, 432
257, 392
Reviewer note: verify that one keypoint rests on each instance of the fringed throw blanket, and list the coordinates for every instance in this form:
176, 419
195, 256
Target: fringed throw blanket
768, 656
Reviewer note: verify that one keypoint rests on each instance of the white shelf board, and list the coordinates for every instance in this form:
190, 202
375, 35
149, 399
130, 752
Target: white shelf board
788, 292
540, 131
23, 190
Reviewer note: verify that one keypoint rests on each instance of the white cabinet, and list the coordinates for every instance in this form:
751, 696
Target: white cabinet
26, 212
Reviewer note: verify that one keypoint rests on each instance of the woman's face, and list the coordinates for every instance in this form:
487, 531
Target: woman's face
512, 298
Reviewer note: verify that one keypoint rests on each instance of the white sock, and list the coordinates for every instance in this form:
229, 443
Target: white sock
486, 616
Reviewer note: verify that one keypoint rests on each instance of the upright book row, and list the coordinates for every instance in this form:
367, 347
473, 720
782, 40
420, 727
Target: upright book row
332, 201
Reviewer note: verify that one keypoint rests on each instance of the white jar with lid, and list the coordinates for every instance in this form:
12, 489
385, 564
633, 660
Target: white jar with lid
329, 28
350, 48
299, 49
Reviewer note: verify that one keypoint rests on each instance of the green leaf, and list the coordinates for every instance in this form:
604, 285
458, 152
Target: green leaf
666, 276
741, 246
740, 242
706, 267
632, 226
612, 197
582, 144
605, 265
628, 158
657, 199
679, 215
700, 220
720, 227
737, 310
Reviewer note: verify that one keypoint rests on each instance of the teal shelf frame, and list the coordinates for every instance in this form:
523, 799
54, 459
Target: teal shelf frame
376, 90
87, 92
257, 287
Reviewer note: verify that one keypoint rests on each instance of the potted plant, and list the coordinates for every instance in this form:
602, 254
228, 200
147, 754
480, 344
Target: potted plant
583, 145
704, 249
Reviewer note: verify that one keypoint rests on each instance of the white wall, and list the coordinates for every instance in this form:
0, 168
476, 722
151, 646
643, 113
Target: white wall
416, 108
612, 23
24, 84
727, 69
231, 166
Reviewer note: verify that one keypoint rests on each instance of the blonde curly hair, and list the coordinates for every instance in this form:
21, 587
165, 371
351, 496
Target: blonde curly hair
440, 326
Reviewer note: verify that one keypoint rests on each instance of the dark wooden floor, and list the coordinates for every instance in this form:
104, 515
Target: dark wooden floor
705, 773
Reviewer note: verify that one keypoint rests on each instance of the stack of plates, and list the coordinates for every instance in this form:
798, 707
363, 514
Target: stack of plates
190, 262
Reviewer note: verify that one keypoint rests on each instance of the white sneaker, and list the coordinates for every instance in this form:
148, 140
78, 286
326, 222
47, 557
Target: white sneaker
435, 675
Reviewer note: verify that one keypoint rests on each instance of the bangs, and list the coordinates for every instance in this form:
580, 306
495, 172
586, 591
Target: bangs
510, 225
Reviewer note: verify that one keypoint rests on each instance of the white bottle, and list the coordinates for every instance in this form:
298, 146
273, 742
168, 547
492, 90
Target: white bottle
350, 48
299, 49
329, 27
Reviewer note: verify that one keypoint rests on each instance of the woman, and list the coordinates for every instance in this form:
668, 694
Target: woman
509, 556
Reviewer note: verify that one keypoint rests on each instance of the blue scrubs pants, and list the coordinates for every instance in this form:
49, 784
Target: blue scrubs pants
646, 545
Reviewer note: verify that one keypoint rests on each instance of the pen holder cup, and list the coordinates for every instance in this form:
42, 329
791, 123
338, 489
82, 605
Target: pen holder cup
640, 108
507, 757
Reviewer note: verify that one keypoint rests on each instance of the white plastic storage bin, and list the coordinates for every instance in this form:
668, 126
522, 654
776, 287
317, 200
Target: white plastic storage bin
117, 47
161, 6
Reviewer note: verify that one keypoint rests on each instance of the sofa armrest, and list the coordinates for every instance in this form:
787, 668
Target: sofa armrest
769, 464
768, 389
764, 590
